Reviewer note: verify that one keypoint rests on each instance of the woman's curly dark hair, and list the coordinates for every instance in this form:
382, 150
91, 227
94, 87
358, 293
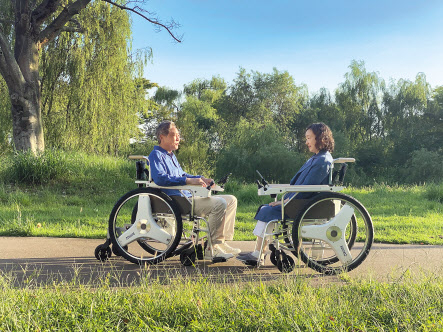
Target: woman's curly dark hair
323, 136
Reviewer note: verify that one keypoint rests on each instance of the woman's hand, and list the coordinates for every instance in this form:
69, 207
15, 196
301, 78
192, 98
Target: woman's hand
275, 203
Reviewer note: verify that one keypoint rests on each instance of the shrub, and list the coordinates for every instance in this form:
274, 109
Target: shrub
424, 166
434, 192
27, 168
259, 149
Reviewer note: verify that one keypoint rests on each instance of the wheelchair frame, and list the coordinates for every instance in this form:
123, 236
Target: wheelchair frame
188, 251
320, 230
336, 233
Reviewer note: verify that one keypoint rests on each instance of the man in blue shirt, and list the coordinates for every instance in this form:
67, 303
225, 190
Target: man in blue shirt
220, 209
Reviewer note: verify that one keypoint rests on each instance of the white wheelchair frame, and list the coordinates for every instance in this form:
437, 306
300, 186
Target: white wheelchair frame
321, 231
144, 226
337, 232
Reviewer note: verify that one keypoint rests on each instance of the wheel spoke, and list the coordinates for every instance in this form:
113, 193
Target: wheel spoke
341, 249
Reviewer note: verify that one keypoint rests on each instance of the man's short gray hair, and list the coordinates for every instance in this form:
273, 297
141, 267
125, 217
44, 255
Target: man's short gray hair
163, 129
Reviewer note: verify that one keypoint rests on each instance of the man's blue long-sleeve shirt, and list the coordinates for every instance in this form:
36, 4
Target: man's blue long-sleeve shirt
166, 171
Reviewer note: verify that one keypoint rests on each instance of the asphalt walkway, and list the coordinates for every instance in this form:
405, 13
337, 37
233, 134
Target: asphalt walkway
32, 261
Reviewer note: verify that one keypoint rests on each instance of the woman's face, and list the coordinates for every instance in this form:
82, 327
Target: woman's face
310, 141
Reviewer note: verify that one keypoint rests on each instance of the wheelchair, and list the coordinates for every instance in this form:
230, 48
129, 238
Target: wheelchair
146, 226
331, 232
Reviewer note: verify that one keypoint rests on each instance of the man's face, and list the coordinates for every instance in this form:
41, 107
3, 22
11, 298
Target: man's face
170, 142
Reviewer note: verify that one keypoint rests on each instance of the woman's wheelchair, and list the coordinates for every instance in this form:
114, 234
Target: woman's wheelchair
330, 232
146, 225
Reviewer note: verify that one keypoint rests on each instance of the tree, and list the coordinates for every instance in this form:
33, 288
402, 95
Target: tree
25, 28
359, 98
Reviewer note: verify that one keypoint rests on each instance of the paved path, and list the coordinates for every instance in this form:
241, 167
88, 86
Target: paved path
34, 261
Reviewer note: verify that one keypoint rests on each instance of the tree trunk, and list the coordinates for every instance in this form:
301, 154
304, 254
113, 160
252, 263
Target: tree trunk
27, 121
25, 96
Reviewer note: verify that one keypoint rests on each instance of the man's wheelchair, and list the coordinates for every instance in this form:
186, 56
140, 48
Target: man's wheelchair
330, 232
146, 225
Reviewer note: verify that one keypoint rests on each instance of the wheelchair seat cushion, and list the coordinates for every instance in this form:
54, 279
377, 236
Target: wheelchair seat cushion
322, 210
182, 203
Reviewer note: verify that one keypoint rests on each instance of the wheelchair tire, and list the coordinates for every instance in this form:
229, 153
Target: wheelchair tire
357, 240
163, 232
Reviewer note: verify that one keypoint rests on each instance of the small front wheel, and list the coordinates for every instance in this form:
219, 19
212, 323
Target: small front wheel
102, 252
285, 263
188, 257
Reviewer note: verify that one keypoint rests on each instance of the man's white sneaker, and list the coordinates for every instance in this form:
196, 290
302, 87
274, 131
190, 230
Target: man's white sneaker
218, 252
228, 249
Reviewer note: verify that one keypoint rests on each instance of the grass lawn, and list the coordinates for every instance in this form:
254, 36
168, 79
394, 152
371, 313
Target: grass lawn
286, 304
78, 202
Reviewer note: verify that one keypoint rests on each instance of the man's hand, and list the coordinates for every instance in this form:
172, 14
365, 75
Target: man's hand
208, 181
196, 182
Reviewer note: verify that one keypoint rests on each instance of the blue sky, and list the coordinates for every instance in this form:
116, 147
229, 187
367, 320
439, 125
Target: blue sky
315, 41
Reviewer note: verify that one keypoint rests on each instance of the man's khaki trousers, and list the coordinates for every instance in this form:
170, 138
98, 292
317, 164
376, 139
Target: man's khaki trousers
219, 211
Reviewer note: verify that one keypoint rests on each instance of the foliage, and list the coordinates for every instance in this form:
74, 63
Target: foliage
425, 166
257, 147
91, 101
5, 117
28, 168
78, 191
434, 192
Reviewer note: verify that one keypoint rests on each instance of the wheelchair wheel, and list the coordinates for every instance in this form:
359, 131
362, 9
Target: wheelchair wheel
131, 235
334, 241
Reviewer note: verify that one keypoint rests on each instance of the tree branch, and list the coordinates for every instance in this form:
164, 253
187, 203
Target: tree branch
137, 10
56, 26
72, 29
44, 10
9, 67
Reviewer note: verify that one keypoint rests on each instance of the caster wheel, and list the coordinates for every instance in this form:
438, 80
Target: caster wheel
116, 251
103, 252
187, 257
201, 250
273, 258
285, 263
219, 260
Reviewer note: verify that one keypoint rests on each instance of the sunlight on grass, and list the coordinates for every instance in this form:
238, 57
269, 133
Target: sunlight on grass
77, 203
200, 304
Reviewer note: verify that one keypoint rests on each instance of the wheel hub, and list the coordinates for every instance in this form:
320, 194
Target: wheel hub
144, 226
333, 233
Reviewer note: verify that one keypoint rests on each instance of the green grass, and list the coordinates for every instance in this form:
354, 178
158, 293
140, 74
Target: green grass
286, 304
75, 201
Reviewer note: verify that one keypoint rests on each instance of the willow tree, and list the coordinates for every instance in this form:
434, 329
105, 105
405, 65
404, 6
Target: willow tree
26, 26
90, 99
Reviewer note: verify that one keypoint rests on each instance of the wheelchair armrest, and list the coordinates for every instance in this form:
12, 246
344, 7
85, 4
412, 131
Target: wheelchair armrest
343, 160
285, 188
198, 191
